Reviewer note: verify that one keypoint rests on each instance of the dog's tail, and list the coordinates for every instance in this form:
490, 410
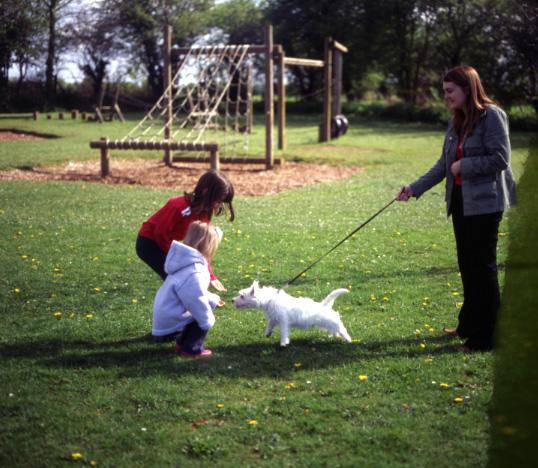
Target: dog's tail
329, 300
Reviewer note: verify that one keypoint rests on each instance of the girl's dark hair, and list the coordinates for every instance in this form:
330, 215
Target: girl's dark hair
467, 78
211, 189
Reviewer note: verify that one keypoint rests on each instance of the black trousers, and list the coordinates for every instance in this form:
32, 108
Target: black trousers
476, 243
149, 251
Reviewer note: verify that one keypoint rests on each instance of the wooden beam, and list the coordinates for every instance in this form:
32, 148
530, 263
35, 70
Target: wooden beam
225, 160
340, 47
325, 133
304, 62
153, 145
167, 79
269, 109
253, 49
281, 87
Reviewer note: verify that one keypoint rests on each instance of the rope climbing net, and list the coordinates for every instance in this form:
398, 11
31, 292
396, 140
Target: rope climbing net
211, 101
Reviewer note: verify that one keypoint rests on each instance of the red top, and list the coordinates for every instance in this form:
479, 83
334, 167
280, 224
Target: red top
459, 154
171, 223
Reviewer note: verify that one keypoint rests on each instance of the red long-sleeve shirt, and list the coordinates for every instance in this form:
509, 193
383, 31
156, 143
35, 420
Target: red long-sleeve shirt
171, 223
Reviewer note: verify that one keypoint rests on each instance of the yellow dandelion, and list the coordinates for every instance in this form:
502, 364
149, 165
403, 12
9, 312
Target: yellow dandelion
56, 270
88, 316
423, 345
455, 293
458, 399
428, 360
363, 377
443, 385
431, 329
17, 290
58, 315
373, 298
297, 365
385, 298
93, 462
282, 398
97, 289
24, 257
253, 422
220, 405
76, 456
134, 301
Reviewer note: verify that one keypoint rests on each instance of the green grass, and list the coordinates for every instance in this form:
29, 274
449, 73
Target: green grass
515, 409
86, 381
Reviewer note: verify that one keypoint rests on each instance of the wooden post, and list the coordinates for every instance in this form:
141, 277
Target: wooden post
281, 102
60, 115
327, 92
83, 116
167, 79
105, 160
36, 115
269, 110
337, 67
250, 110
74, 114
214, 160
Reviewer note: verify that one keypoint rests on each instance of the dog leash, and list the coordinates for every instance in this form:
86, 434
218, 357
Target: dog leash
358, 228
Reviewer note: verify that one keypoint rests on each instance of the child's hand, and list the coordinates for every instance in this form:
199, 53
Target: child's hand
218, 285
221, 304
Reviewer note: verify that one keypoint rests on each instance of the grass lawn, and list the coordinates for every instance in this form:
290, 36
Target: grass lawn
80, 383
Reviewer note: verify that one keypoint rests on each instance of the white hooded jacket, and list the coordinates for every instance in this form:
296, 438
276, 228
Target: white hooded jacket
183, 297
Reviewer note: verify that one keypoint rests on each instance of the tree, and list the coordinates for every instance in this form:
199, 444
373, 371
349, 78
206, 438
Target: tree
19, 42
97, 43
53, 10
141, 24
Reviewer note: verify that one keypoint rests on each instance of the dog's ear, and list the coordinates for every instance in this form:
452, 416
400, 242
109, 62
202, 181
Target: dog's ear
255, 287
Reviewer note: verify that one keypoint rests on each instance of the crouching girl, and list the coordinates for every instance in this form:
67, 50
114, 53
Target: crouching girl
183, 306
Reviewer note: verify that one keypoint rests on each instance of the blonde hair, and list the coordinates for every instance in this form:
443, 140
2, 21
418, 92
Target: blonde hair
203, 237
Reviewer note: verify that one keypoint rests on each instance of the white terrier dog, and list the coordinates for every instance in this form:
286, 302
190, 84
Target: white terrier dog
287, 311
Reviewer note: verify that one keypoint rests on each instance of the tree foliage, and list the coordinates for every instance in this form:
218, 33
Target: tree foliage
396, 47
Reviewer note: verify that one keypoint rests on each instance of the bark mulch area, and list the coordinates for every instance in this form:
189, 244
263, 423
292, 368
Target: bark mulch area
248, 179
10, 135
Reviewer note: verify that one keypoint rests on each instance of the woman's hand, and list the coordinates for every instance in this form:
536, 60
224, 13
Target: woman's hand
405, 193
218, 285
455, 168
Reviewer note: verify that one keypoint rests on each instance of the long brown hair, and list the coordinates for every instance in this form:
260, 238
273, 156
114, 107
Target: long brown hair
212, 188
467, 78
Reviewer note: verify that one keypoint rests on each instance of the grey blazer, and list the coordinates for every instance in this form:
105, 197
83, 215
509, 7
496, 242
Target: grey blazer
487, 185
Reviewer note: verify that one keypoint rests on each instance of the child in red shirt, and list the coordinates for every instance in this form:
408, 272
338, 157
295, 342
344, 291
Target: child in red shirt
212, 195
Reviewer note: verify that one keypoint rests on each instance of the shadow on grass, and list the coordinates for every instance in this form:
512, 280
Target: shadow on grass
141, 355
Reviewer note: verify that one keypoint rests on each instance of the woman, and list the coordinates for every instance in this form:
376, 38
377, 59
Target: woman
479, 186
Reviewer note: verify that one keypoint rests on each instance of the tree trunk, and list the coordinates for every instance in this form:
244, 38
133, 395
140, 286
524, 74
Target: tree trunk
50, 88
